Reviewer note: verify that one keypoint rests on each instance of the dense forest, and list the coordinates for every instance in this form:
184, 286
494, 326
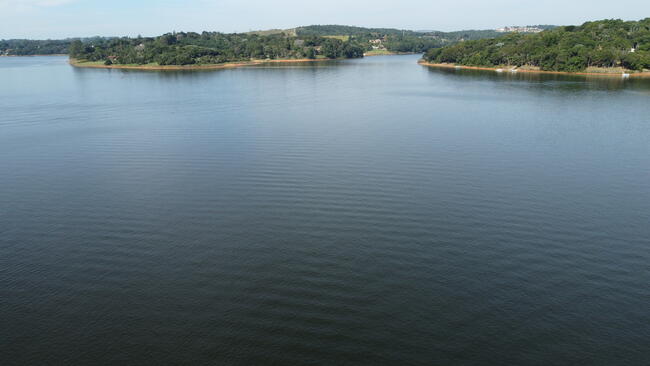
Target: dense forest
606, 43
26, 47
211, 48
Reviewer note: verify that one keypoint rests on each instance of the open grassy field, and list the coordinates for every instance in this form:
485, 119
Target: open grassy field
378, 53
342, 38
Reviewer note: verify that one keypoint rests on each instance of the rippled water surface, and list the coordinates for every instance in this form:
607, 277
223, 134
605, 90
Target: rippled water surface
366, 212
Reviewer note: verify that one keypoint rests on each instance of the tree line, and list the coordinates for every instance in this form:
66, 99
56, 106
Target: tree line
605, 43
32, 47
26, 47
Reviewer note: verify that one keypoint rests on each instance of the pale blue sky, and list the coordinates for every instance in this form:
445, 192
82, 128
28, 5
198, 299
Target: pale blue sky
74, 18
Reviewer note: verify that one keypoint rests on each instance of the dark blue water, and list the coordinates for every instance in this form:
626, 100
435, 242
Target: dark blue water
367, 212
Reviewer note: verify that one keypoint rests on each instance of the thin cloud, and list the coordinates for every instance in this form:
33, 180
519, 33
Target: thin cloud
26, 4
48, 3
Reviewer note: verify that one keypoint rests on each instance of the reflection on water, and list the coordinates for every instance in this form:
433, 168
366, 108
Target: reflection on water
555, 81
361, 212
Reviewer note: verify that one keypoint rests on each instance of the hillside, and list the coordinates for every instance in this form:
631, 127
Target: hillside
381, 40
336, 30
398, 40
600, 44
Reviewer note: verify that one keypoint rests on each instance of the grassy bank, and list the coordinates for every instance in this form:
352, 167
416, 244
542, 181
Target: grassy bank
379, 53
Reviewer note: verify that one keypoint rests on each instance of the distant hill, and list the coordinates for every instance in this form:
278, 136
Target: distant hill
270, 32
601, 44
339, 30
397, 40
464, 35
30, 47
525, 29
25, 47
346, 30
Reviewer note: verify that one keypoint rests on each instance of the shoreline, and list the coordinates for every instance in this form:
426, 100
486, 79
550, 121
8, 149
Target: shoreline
515, 70
229, 65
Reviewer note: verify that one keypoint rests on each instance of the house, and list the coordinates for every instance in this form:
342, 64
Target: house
527, 29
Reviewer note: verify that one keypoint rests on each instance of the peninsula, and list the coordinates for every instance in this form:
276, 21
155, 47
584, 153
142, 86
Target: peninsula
207, 50
596, 48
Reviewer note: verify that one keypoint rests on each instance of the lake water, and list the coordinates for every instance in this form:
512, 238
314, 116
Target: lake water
364, 212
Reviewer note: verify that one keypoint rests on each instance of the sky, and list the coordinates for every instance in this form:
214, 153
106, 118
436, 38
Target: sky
53, 19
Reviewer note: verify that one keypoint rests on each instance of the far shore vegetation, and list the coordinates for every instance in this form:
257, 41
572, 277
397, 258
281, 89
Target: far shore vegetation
303, 43
269, 44
27, 47
606, 46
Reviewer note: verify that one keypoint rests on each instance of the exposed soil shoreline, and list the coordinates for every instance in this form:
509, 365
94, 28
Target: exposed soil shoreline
229, 65
531, 71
